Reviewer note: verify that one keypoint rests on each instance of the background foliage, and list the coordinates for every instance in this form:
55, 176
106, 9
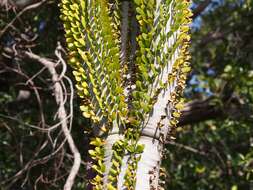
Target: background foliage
213, 148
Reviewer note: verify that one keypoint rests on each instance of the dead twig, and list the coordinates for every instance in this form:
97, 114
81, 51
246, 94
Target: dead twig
201, 8
30, 7
59, 97
188, 148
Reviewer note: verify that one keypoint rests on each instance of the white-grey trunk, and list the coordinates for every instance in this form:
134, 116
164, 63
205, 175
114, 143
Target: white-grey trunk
153, 136
147, 174
148, 167
156, 125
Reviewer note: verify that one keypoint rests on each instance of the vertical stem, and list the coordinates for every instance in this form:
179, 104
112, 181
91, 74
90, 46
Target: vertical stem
124, 31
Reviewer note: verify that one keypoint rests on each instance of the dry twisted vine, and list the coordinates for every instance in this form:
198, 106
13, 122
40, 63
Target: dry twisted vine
62, 115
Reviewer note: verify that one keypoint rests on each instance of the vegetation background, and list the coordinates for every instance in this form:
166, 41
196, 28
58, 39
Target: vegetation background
213, 148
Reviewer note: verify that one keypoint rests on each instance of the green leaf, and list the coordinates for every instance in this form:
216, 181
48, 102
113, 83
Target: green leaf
92, 153
97, 169
186, 69
139, 149
113, 172
96, 142
110, 187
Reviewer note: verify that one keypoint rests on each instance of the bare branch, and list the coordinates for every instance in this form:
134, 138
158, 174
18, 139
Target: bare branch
58, 93
199, 110
200, 8
33, 6
215, 107
188, 148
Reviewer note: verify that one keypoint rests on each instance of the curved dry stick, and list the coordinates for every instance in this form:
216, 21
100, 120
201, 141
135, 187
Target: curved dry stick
33, 6
29, 81
58, 93
25, 168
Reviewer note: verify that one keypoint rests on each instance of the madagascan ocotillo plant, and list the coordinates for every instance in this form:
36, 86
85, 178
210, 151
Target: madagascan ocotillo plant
130, 60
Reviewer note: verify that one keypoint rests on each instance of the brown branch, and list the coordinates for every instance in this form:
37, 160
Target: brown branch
228, 105
200, 110
200, 8
14, 178
34, 88
211, 37
30, 7
188, 148
58, 93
